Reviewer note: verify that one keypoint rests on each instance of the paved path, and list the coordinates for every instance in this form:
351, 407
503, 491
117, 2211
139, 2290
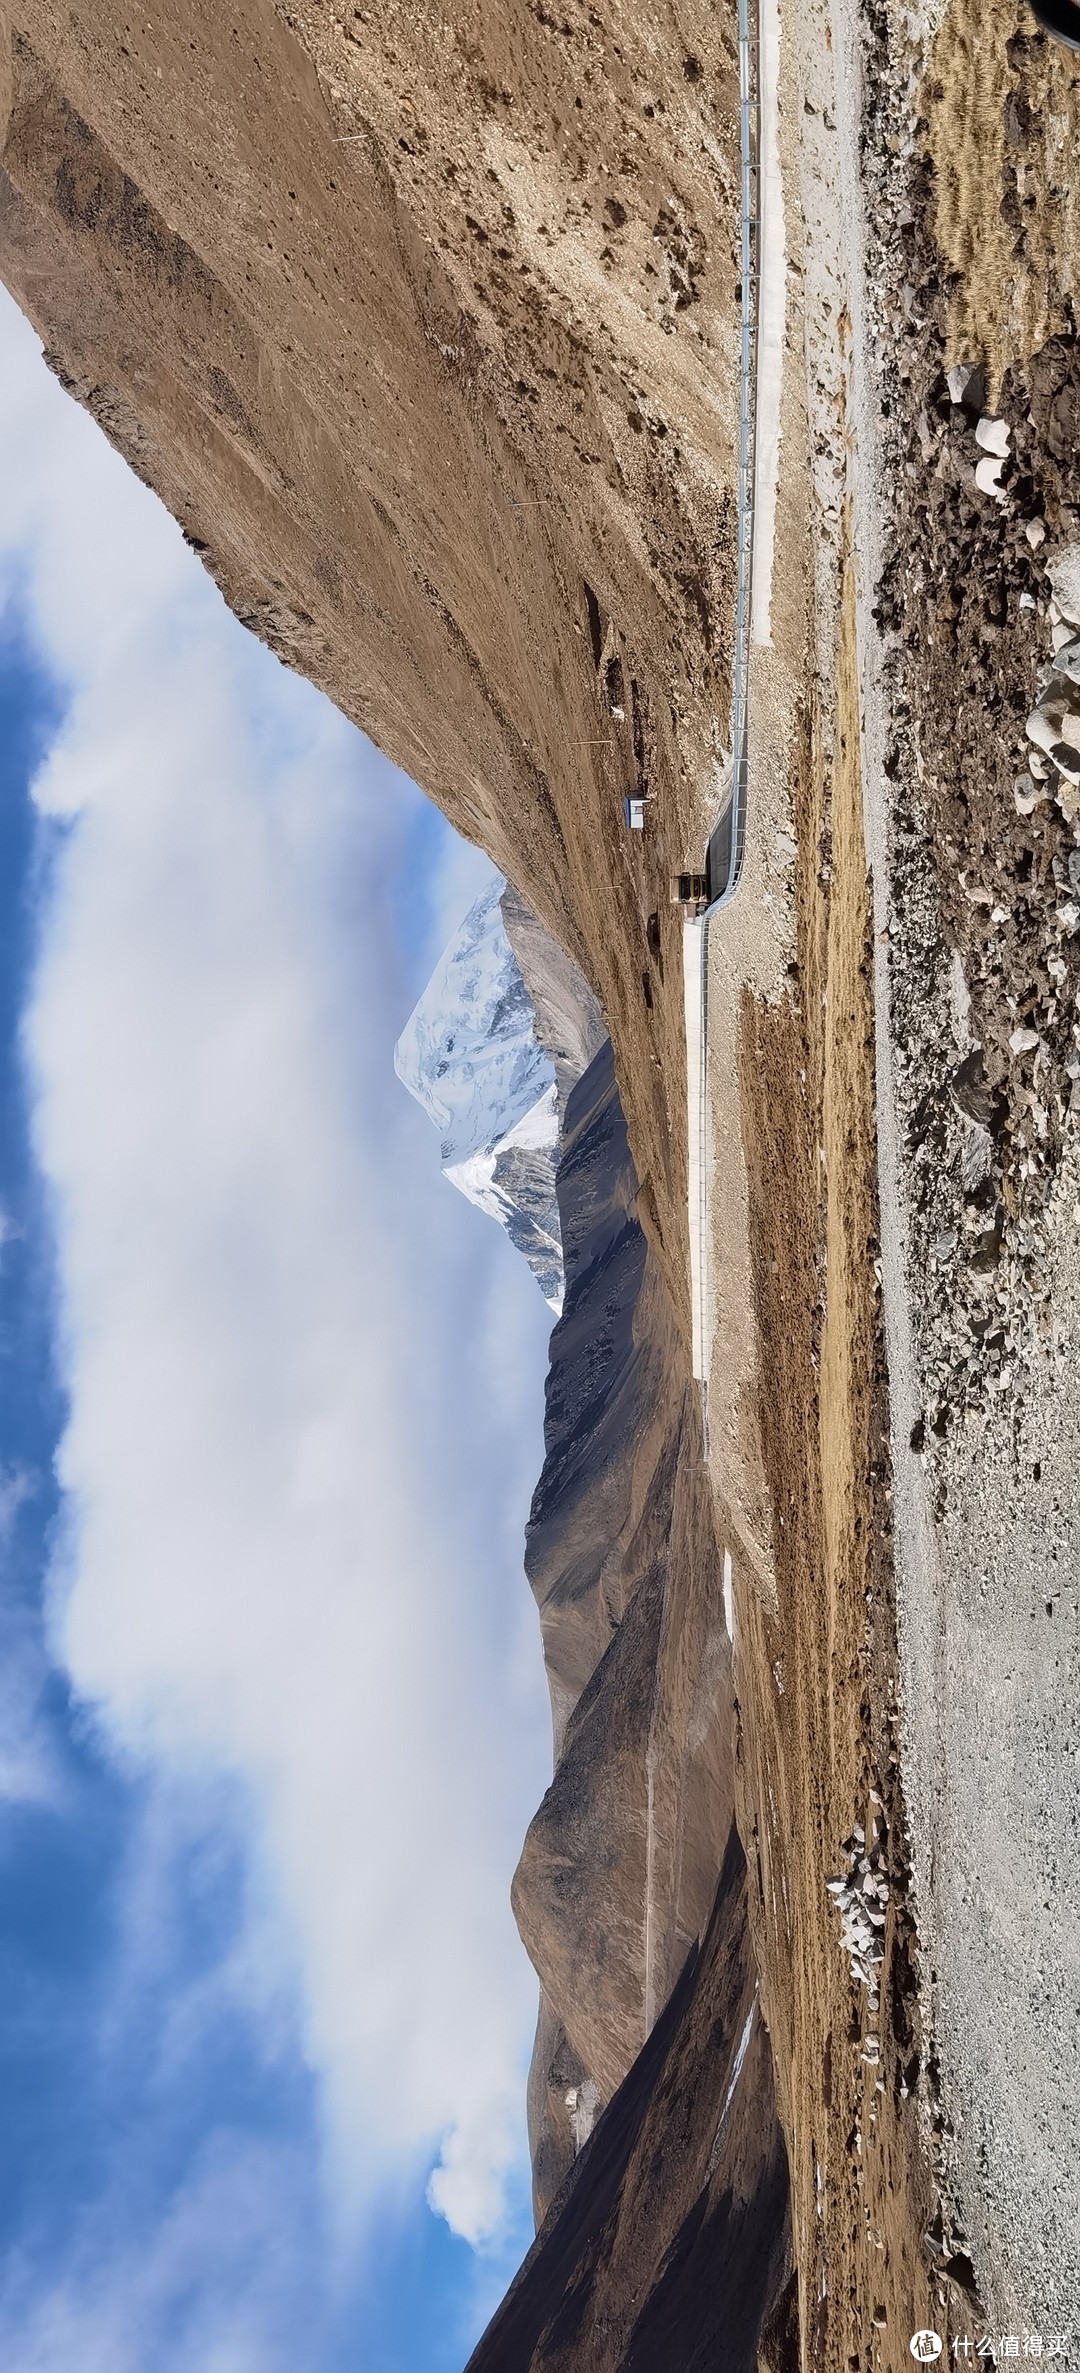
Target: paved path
724, 858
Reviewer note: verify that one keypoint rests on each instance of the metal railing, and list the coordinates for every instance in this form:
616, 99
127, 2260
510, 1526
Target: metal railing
727, 840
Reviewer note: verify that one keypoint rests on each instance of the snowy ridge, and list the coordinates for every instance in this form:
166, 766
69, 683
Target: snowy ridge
469, 1055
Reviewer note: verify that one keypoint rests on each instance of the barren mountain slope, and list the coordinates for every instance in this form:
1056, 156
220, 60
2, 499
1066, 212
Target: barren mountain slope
567, 1020
667, 2249
620, 1864
425, 330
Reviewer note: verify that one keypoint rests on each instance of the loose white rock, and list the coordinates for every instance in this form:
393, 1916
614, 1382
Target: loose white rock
988, 478
1043, 727
995, 436
1064, 574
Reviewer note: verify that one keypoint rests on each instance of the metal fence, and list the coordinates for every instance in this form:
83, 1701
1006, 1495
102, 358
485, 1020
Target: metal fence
727, 841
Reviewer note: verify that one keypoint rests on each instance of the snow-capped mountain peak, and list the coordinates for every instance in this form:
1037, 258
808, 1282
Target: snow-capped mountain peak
469, 1055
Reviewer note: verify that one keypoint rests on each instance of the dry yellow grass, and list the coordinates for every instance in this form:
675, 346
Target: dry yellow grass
815, 1677
1004, 138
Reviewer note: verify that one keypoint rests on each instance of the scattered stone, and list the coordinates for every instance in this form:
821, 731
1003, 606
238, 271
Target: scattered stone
1067, 653
1042, 730
966, 383
976, 1161
1056, 716
995, 436
988, 478
967, 581
971, 1090
1064, 575
861, 1899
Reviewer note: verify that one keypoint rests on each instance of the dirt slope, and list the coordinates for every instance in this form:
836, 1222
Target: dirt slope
425, 330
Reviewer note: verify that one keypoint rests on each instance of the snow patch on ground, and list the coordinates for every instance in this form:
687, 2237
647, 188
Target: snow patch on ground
736, 2072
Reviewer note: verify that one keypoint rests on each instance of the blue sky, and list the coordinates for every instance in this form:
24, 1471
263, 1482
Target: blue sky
272, 1714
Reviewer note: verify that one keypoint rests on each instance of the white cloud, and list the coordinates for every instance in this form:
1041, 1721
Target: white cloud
305, 1380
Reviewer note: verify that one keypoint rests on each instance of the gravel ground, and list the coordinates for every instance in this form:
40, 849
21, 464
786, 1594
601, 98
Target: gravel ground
981, 1213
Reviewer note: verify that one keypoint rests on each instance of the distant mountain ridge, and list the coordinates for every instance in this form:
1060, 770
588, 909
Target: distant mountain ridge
620, 1863
507, 1052
491, 1058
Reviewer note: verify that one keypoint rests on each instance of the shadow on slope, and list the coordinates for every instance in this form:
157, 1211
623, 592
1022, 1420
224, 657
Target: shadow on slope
667, 2249
618, 1874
